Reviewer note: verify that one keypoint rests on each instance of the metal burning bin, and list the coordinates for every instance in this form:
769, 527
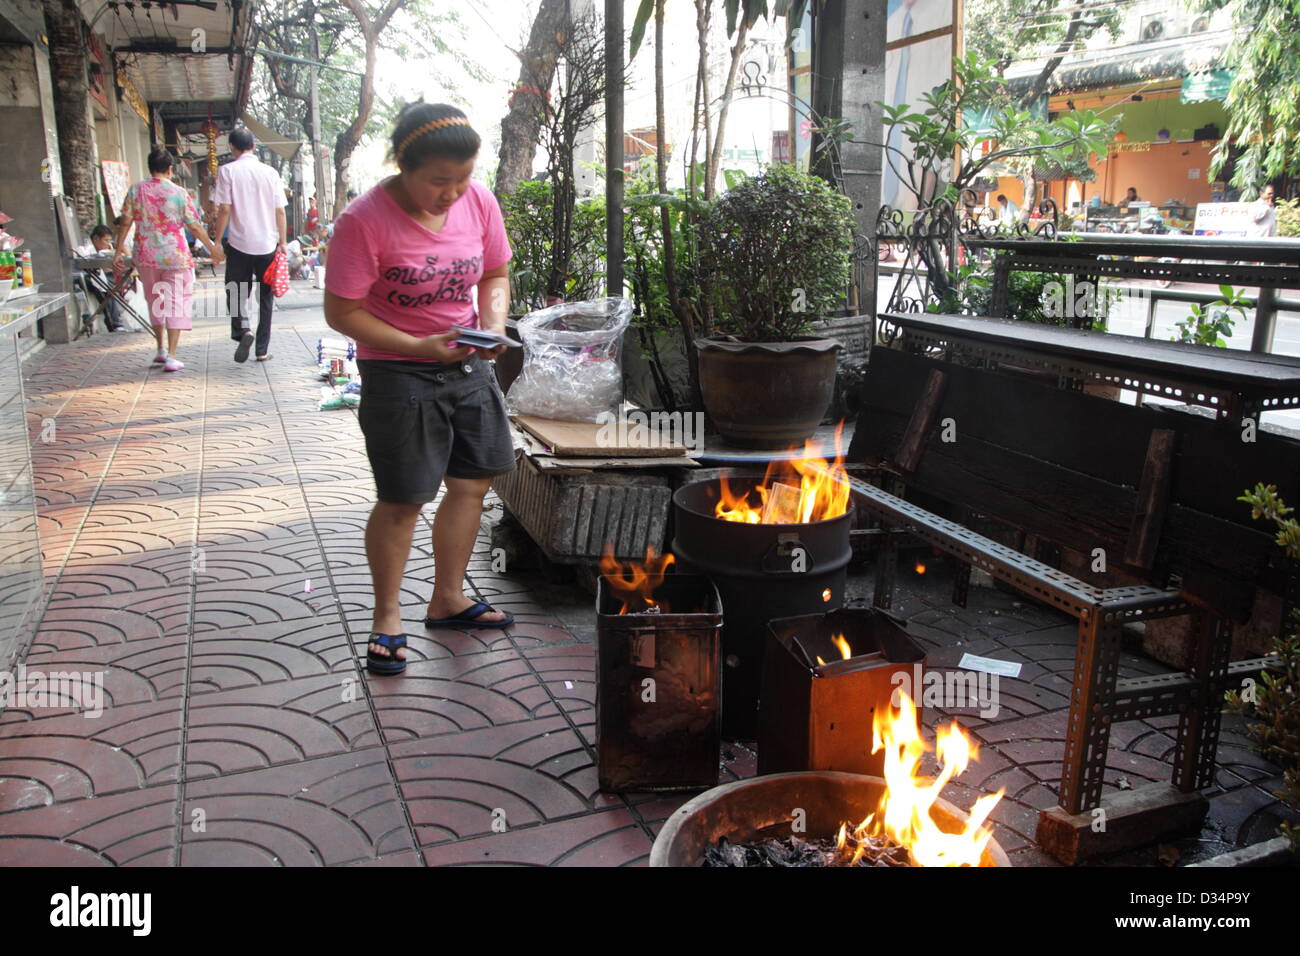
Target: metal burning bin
819, 716
658, 688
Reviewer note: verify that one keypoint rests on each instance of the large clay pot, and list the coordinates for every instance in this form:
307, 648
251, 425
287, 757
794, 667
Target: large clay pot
760, 807
767, 394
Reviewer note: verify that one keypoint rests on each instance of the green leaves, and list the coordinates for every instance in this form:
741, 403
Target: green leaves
768, 236
1263, 119
751, 10
1208, 324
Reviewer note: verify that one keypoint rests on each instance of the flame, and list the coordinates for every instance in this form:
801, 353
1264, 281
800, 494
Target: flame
636, 584
793, 492
904, 812
842, 646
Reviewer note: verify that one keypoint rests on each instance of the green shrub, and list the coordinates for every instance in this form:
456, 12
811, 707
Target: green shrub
776, 250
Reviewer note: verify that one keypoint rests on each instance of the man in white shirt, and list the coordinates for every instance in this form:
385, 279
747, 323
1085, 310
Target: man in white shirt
1264, 214
250, 199
1008, 212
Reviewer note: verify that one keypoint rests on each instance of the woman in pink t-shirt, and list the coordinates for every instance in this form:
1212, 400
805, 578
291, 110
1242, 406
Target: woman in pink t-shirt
402, 263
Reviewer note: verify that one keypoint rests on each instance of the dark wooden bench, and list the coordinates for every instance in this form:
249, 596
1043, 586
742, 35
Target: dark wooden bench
1154, 489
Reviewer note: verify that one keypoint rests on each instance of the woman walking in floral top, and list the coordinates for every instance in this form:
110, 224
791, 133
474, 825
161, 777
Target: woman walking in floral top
160, 210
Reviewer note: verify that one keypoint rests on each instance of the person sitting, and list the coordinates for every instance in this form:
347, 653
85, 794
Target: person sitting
1008, 212
1130, 198
101, 244
297, 261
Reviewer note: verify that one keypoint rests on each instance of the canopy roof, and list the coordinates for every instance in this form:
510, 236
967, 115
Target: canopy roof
182, 56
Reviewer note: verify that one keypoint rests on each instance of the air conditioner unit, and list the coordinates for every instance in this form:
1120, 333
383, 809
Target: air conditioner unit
1160, 26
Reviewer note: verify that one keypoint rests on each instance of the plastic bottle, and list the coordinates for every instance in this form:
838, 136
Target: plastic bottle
29, 277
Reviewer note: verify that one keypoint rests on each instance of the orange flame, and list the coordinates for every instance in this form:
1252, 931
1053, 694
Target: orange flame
904, 812
793, 492
842, 646
635, 585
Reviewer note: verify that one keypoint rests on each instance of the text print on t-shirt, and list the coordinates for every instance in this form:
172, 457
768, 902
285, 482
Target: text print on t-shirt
454, 281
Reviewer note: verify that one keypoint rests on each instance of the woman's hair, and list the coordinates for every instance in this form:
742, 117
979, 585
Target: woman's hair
160, 160
426, 131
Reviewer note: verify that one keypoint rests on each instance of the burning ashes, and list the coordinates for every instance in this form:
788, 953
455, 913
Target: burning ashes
910, 826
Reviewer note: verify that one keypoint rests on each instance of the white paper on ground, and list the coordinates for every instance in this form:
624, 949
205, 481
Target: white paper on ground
988, 665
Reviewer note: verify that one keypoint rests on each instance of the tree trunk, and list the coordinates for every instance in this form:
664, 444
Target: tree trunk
715, 160
522, 124
1067, 43
1031, 194
348, 140
680, 308
72, 108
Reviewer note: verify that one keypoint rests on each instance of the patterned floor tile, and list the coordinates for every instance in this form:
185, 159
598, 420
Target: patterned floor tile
456, 694
126, 829
328, 811
229, 658
71, 757
276, 723
466, 784
611, 838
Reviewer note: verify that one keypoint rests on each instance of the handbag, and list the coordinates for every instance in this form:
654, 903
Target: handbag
277, 274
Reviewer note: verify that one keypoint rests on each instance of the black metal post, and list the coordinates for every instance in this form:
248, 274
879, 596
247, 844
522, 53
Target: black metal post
1265, 320
615, 57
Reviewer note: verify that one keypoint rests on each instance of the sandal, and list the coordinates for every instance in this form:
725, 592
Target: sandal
469, 618
390, 664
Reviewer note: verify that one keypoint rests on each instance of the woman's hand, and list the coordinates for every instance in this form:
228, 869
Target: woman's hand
217, 253
439, 348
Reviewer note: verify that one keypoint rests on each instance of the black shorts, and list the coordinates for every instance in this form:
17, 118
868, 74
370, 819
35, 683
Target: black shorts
425, 421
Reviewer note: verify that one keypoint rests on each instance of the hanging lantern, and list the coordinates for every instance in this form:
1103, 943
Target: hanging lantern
211, 131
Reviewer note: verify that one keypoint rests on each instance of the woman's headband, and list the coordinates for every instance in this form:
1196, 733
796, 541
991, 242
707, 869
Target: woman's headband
429, 128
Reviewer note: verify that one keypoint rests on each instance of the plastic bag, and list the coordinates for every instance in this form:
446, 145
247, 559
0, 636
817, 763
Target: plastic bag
571, 367
331, 400
277, 274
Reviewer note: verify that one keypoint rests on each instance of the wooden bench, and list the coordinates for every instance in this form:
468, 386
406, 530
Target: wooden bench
1152, 490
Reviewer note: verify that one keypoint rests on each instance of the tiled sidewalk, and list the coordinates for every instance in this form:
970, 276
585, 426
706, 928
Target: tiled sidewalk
202, 536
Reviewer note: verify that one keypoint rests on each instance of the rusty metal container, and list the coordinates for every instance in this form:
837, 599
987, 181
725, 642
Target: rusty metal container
658, 688
819, 716
763, 572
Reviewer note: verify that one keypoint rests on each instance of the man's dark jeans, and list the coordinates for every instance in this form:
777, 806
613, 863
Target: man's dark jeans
243, 274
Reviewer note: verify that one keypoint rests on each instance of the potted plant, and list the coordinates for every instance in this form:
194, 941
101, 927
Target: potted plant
776, 252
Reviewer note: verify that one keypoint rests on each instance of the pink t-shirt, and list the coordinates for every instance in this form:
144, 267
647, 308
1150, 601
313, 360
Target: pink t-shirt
414, 279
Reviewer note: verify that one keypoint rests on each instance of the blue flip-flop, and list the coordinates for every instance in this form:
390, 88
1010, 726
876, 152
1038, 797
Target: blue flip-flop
469, 618
386, 665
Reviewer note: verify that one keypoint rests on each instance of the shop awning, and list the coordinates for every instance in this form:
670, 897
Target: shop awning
276, 142
1210, 85
184, 60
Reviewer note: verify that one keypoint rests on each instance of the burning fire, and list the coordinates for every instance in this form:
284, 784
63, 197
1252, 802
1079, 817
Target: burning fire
904, 813
793, 492
841, 645
636, 584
